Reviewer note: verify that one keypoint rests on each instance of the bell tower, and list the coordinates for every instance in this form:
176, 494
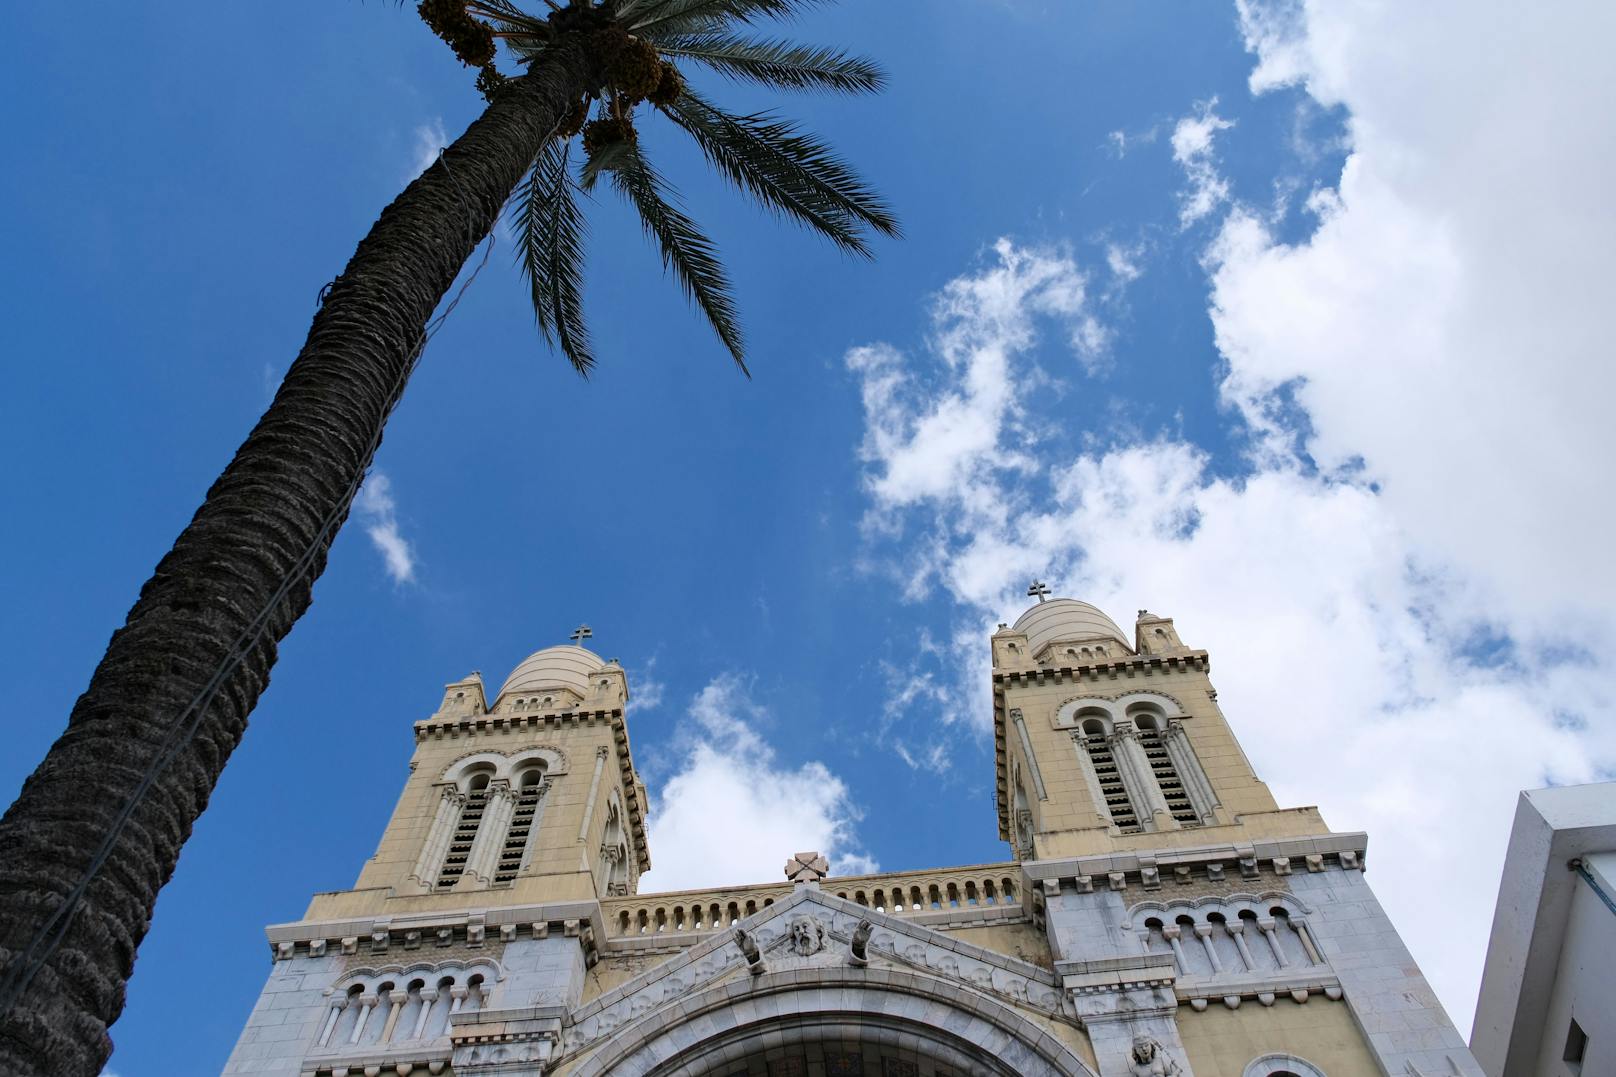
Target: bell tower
1169, 883
522, 812
530, 795
1108, 741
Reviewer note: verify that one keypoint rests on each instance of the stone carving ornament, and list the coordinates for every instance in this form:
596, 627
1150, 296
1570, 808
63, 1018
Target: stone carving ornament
807, 936
749, 947
859, 945
1150, 1059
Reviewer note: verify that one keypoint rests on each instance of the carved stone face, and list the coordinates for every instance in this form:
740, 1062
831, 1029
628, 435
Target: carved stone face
807, 936
1144, 1049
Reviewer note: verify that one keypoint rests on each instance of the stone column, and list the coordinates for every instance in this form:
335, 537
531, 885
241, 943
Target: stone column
1307, 940
458, 992
1237, 931
429, 999
438, 837
1204, 933
366, 1004
483, 859
1171, 933
338, 1004
1203, 798
1140, 781
395, 1006
1267, 928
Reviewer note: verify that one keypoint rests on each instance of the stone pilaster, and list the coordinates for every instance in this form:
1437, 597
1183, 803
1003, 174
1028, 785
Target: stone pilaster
1202, 796
483, 858
1140, 780
438, 837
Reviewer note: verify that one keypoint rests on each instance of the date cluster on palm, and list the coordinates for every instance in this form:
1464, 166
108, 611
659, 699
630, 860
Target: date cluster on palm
609, 130
471, 39
632, 66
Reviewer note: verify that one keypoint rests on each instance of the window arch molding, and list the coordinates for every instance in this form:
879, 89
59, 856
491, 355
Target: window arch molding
372, 976
1230, 905
506, 764
1280, 1065
1071, 712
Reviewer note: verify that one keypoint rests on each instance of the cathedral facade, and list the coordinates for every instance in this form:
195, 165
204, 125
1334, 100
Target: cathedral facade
1159, 914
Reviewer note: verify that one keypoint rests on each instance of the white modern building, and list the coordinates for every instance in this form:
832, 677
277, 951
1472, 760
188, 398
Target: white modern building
1548, 992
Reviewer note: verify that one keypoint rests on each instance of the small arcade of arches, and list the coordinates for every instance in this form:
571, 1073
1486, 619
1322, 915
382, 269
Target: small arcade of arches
373, 1008
1236, 935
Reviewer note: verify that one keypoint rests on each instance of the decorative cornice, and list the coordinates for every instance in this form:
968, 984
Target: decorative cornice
374, 936
1299, 984
1152, 870
473, 724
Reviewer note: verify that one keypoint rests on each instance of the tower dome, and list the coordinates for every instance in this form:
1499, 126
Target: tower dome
1067, 619
566, 666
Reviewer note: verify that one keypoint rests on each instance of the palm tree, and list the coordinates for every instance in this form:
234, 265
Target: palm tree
98, 827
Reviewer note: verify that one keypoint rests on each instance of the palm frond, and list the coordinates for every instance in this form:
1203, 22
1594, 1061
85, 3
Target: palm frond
685, 249
786, 170
525, 34
553, 230
693, 16
599, 163
776, 63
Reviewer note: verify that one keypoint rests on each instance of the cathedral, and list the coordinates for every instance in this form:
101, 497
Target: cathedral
1158, 914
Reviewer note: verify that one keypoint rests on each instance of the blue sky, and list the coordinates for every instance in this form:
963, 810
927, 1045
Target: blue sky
1283, 321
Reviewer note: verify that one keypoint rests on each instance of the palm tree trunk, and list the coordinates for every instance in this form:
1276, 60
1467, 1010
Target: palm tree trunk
267, 521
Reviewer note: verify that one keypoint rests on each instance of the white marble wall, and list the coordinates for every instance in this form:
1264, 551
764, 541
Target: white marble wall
542, 972
286, 1020
1406, 1027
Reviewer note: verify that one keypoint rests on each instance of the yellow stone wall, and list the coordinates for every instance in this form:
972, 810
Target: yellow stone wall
1069, 822
1220, 1042
563, 866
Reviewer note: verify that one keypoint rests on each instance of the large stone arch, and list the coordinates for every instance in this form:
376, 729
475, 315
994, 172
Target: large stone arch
901, 1013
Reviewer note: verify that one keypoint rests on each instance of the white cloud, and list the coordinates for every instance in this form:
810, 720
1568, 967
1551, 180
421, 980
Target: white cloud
947, 435
1123, 262
1446, 323
1120, 142
1193, 150
728, 777
1329, 622
376, 507
430, 139
648, 690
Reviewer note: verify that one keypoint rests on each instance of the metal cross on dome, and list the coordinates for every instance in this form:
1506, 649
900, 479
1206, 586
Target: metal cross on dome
1039, 588
581, 633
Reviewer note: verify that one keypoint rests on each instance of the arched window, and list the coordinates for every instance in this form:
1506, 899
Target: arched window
1151, 724
530, 788
1094, 735
475, 785
1280, 1065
